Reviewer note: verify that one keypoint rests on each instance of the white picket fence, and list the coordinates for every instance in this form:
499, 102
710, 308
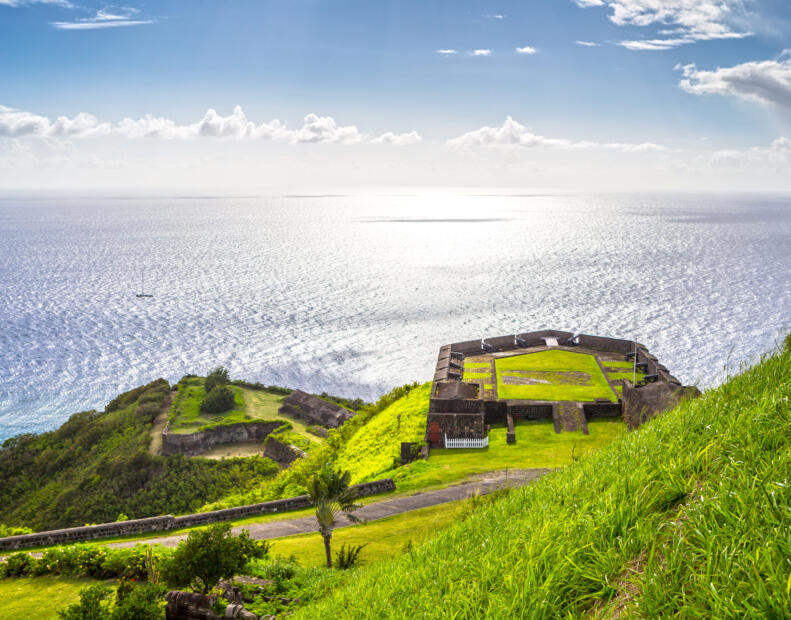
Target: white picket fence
466, 443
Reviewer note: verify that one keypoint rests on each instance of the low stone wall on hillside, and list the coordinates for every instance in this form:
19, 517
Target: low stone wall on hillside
193, 444
169, 522
314, 410
282, 453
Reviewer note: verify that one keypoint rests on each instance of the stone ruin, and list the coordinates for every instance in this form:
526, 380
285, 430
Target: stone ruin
465, 409
314, 410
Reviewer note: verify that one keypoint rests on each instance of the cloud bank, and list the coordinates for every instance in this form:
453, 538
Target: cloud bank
767, 81
513, 134
236, 126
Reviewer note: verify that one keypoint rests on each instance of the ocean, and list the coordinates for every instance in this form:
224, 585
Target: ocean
354, 294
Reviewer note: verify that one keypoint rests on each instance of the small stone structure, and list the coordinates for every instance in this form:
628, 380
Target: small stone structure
188, 606
314, 410
193, 444
461, 408
169, 522
282, 453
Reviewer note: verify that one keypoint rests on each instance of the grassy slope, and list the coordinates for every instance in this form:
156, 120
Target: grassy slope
185, 413
537, 445
553, 361
689, 516
374, 447
384, 538
20, 598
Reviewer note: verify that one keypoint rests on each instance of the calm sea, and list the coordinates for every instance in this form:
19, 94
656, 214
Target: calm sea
355, 294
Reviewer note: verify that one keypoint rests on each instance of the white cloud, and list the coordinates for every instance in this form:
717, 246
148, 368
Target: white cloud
236, 126
398, 139
481, 53
514, 134
687, 20
777, 155
494, 16
587, 43
17, 123
104, 18
767, 81
525, 50
446, 52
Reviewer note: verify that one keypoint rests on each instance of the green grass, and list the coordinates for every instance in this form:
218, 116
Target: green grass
537, 446
384, 538
38, 597
476, 365
614, 376
375, 447
249, 406
548, 366
690, 516
608, 363
476, 375
261, 405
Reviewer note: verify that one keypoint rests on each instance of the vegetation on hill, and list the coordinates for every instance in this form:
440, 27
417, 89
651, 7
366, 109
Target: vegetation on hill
96, 466
689, 516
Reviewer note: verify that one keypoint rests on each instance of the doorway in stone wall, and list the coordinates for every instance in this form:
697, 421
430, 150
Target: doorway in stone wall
433, 433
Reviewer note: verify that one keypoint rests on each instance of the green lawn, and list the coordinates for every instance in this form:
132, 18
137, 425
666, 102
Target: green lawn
384, 538
476, 365
38, 598
249, 406
614, 376
537, 445
562, 375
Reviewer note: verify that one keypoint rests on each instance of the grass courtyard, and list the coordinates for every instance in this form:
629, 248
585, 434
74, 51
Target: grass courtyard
552, 375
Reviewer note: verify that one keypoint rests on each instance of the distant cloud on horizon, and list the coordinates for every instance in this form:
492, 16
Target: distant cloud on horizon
526, 50
482, 52
315, 129
587, 43
104, 18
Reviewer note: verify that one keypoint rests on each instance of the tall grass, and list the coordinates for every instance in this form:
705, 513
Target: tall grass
690, 516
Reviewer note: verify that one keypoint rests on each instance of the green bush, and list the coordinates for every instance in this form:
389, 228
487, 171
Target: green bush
18, 565
348, 556
139, 602
148, 411
219, 399
217, 377
7, 530
93, 605
208, 555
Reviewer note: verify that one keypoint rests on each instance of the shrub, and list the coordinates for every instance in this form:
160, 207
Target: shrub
207, 556
93, 604
218, 400
138, 602
217, 377
348, 556
7, 530
18, 564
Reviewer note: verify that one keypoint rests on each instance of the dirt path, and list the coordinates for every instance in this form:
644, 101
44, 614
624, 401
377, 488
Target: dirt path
159, 425
371, 512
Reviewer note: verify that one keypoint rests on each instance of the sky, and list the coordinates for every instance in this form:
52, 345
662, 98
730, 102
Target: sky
325, 95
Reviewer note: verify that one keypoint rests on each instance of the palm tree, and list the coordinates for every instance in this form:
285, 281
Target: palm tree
332, 495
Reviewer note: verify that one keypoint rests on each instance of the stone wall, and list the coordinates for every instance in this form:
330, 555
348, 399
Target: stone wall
169, 522
640, 404
458, 425
282, 453
313, 410
192, 444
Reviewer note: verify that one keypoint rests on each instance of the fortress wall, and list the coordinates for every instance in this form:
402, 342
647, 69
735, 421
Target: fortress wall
192, 444
602, 410
501, 343
169, 522
458, 425
614, 345
282, 453
469, 347
531, 412
538, 337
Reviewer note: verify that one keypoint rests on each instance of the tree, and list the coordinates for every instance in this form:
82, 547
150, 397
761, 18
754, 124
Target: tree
332, 495
207, 556
217, 377
218, 400
93, 604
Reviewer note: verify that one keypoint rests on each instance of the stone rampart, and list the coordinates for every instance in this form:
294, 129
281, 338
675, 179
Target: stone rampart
169, 522
314, 410
599, 343
192, 444
282, 453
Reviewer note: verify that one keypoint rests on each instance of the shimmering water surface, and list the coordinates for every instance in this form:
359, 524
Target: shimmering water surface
355, 294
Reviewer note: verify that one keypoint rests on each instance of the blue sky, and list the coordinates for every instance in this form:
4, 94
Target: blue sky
376, 66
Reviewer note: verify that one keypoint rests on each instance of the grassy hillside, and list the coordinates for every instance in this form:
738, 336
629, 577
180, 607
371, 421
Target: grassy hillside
97, 466
376, 447
688, 516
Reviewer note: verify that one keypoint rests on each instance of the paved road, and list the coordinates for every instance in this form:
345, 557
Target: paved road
371, 512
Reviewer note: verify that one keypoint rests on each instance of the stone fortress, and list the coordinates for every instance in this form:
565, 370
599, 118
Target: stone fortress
568, 378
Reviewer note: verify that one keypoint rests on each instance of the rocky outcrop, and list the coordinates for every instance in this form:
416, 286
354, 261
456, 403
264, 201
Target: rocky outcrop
640, 404
188, 606
193, 444
313, 410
